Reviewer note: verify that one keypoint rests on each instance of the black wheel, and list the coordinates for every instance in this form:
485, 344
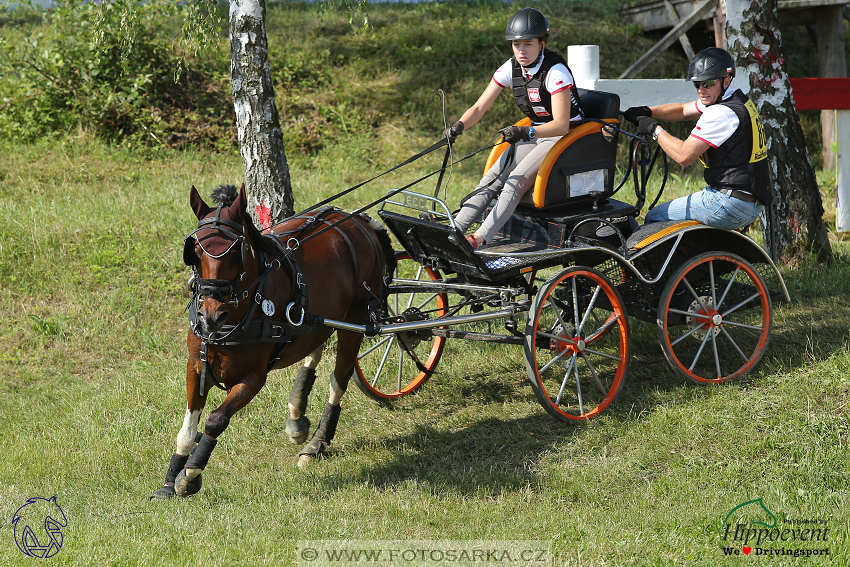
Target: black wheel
714, 318
395, 365
577, 344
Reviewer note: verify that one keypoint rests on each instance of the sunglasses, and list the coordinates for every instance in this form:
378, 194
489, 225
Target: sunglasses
707, 84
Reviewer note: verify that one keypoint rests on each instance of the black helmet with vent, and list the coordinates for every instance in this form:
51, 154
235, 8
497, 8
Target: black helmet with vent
711, 63
528, 23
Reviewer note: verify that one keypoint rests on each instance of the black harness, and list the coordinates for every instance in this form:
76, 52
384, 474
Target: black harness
262, 329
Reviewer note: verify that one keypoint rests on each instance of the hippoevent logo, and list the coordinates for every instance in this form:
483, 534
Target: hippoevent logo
751, 529
38, 527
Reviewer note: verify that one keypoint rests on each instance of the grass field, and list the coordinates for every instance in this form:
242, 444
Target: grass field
92, 394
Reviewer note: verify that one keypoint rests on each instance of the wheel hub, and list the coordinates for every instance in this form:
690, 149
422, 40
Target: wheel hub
568, 342
411, 339
705, 318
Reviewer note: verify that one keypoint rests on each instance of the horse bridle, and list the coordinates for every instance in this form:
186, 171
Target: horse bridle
225, 291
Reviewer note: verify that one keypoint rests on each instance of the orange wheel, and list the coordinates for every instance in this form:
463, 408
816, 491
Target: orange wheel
577, 344
714, 318
393, 366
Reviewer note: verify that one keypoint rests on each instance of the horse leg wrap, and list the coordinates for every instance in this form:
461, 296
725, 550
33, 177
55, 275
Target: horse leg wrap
301, 389
298, 428
174, 467
318, 445
201, 455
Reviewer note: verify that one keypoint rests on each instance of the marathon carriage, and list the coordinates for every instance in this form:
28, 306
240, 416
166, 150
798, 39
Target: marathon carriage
562, 279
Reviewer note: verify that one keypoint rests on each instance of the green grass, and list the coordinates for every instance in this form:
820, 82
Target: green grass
92, 393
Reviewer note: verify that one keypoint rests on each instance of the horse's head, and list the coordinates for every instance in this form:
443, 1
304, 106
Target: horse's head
217, 251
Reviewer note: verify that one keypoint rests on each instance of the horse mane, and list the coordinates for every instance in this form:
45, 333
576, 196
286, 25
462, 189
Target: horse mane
225, 195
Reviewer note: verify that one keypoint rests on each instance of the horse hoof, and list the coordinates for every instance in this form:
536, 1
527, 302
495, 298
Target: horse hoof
163, 493
304, 461
185, 486
298, 429
316, 450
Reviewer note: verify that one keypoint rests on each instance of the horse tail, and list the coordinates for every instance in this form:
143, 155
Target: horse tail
386, 247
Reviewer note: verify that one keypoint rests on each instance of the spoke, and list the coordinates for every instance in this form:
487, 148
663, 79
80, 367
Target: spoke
688, 313
595, 376
578, 392
742, 325
734, 344
728, 287
559, 338
557, 313
711, 279
400, 365
383, 360
683, 337
589, 309
716, 356
575, 302
750, 298
614, 318
603, 354
553, 361
428, 300
699, 352
688, 285
564, 383
418, 273
373, 347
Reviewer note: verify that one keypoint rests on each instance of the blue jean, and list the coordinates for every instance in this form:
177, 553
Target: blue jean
710, 207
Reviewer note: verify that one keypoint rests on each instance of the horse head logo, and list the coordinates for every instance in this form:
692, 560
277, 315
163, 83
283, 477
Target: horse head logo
47, 517
755, 511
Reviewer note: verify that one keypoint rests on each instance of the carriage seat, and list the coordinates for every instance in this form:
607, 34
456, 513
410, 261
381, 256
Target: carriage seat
580, 168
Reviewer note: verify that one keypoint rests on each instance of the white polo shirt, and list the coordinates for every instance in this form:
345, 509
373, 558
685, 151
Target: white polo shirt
716, 123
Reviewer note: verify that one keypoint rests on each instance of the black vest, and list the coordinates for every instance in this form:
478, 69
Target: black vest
741, 161
532, 93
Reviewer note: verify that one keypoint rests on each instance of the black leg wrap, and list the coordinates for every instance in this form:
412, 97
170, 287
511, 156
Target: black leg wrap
201, 455
175, 466
324, 434
301, 388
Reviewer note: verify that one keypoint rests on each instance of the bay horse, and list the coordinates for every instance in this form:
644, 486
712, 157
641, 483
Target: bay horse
249, 315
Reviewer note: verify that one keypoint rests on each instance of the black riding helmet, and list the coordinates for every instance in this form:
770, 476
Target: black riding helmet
528, 23
711, 63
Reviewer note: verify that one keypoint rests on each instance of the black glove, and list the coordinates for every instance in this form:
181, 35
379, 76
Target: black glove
453, 132
513, 134
636, 112
647, 125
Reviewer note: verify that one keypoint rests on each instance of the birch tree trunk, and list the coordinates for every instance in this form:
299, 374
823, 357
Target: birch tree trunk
752, 32
258, 123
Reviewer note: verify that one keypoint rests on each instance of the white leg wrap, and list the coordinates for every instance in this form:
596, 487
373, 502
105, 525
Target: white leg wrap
336, 392
186, 436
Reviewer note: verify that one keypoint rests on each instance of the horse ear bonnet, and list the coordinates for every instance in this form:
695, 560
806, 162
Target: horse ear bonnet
217, 240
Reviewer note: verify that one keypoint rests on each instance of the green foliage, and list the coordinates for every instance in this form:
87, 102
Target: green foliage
107, 69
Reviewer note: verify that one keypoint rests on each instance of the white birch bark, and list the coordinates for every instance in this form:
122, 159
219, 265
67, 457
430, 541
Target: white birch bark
267, 180
753, 38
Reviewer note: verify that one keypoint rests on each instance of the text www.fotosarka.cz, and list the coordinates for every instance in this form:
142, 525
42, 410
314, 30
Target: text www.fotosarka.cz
424, 552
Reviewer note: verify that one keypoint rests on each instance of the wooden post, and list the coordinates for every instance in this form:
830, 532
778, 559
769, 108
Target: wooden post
831, 63
720, 25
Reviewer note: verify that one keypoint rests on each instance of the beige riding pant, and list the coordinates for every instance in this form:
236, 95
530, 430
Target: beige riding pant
511, 184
